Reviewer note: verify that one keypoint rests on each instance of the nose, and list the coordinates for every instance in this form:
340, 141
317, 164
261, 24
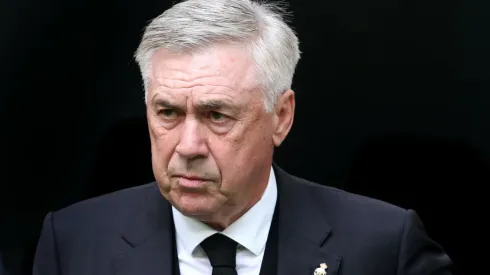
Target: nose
192, 143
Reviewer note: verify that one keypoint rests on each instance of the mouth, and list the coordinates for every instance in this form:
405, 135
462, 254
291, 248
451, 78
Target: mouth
190, 182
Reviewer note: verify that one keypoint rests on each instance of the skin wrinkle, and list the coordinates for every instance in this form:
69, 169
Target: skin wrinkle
163, 89
190, 86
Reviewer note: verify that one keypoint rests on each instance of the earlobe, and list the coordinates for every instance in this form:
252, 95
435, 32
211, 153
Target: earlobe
284, 116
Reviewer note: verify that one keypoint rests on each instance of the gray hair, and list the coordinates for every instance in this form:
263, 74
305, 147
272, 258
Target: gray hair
196, 24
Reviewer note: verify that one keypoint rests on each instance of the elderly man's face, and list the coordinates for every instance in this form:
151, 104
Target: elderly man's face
212, 141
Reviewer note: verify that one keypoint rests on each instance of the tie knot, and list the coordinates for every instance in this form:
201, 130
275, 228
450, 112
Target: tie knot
220, 250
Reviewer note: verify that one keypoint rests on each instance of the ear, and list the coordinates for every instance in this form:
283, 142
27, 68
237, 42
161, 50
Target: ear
283, 117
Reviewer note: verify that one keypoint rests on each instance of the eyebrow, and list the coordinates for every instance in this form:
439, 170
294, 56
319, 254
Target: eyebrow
165, 103
204, 105
214, 104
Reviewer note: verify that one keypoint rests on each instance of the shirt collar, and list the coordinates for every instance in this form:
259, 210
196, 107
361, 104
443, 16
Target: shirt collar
250, 230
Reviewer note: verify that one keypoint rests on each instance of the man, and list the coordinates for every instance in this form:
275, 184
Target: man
217, 77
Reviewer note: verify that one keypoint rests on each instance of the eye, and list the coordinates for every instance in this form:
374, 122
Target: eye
218, 118
167, 113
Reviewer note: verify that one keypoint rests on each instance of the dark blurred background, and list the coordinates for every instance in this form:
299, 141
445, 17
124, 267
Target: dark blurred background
392, 102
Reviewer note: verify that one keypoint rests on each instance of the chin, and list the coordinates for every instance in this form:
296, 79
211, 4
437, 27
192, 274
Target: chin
195, 204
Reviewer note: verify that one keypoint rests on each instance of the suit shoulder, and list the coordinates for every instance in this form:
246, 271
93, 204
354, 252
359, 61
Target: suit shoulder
104, 209
349, 209
353, 201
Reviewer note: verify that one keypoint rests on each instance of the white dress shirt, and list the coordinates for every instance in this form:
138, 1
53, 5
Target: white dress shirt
250, 231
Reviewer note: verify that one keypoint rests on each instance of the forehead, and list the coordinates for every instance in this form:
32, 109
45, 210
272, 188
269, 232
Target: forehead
219, 67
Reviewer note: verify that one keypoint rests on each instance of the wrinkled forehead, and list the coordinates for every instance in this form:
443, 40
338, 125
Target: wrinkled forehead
229, 66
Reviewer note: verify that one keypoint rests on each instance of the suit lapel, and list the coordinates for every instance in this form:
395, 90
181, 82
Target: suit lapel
303, 230
150, 238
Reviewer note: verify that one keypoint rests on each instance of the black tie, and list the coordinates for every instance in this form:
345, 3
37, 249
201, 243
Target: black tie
221, 252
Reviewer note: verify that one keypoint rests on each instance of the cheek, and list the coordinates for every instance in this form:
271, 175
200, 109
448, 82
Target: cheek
163, 143
255, 146
235, 154
224, 152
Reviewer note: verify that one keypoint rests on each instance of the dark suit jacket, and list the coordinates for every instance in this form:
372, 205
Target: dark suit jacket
128, 233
